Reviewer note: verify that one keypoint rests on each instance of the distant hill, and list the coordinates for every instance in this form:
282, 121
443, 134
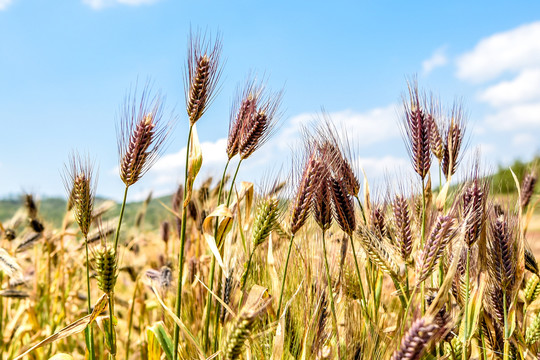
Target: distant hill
503, 181
52, 210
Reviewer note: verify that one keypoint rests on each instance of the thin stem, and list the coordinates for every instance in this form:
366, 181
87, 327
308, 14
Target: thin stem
377, 296
245, 279
422, 240
467, 286
483, 341
440, 176
361, 208
506, 329
112, 335
130, 321
363, 303
285, 274
117, 235
247, 274
208, 307
111, 295
331, 291
181, 254
218, 305
232, 183
220, 192
89, 332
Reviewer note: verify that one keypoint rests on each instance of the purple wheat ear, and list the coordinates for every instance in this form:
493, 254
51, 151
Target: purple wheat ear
417, 126
527, 188
203, 72
142, 133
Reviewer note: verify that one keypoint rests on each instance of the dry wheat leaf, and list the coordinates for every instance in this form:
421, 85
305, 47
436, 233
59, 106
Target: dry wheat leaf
180, 323
73, 328
224, 304
224, 214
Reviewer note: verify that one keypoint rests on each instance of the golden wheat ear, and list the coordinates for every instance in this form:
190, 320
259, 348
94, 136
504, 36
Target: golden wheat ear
79, 180
453, 137
416, 128
527, 188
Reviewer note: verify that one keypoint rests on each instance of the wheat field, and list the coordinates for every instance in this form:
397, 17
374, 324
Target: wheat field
312, 265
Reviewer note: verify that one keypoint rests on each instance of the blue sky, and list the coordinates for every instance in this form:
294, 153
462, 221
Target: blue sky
65, 67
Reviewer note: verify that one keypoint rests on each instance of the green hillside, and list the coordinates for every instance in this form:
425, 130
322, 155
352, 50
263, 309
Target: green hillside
52, 210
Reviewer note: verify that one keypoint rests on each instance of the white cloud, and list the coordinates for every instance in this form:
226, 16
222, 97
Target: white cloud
166, 173
376, 167
508, 51
362, 128
437, 59
4, 4
506, 67
516, 117
522, 88
213, 154
100, 4
485, 149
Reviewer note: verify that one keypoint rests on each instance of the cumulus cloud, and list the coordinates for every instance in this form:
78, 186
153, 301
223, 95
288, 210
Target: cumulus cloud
516, 117
524, 139
437, 59
4, 4
167, 169
213, 154
506, 67
362, 128
100, 4
523, 88
509, 51
376, 167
